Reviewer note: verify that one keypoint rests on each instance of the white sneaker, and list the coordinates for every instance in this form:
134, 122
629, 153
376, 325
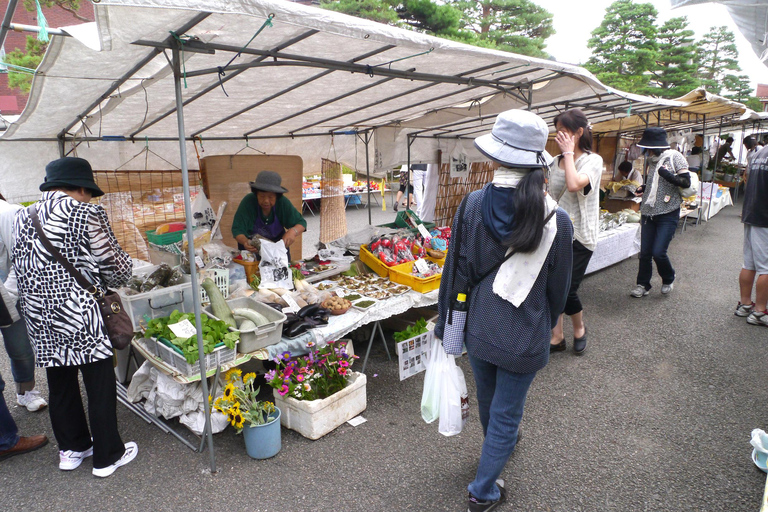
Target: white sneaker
667, 288
70, 460
31, 400
758, 318
743, 310
639, 291
131, 450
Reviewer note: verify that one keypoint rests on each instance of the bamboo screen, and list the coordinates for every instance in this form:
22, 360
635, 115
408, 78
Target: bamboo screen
139, 201
333, 217
451, 191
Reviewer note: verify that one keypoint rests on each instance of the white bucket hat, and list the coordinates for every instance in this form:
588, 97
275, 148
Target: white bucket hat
518, 139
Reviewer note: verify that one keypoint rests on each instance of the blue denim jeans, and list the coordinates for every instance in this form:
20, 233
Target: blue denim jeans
500, 398
9, 434
20, 352
656, 233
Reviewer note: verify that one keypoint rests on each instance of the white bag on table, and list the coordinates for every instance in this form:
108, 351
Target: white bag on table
274, 268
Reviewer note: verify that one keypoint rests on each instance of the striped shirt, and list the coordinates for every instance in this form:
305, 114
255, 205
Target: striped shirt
583, 208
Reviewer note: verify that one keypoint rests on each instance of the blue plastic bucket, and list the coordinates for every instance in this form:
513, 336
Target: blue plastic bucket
263, 441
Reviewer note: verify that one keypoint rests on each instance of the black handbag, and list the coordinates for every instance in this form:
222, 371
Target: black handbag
116, 319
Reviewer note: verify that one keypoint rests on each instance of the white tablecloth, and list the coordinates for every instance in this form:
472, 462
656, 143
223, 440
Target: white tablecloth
615, 245
721, 201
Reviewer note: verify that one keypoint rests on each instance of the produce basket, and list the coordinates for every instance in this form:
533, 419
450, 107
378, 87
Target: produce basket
165, 238
370, 259
401, 274
220, 276
157, 303
262, 336
220, 356
251, 268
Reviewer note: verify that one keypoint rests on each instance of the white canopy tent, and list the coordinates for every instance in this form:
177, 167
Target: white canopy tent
173, 71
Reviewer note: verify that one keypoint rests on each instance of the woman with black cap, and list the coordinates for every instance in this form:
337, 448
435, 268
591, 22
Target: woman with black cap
266, 212
63, 319
660, 209
512, 268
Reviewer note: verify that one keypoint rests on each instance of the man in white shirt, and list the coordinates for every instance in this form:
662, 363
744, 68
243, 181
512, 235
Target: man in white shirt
628, 172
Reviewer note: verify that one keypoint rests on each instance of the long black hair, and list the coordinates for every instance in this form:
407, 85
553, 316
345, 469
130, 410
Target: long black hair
529, 213
573, 120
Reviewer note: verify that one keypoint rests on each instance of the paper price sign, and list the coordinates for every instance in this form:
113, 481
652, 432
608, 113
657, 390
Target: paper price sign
423, 231
422, 266
292, 305
183, 329
341, 293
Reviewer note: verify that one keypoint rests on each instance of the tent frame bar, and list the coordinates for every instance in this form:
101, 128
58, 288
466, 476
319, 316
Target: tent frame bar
9, 11
223, 80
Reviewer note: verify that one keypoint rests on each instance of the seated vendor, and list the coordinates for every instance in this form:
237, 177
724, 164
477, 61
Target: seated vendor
694, 159
630, 173
268, 213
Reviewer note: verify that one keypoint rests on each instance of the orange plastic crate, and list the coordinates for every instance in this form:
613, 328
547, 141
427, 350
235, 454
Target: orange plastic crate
373, 262
401, 274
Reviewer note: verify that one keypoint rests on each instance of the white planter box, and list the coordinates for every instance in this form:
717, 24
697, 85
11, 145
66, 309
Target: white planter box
315, 418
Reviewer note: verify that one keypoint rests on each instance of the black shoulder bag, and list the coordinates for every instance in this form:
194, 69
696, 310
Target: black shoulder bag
116, 319
458, 309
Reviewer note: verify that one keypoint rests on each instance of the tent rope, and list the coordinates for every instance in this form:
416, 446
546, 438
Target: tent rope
42, 35
181, 39
222, 69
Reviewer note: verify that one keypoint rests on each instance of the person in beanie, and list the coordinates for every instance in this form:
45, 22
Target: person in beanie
513, 303
660, 209
63, 319
268, 213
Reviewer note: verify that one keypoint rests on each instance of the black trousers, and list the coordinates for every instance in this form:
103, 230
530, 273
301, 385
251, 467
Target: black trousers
581, 257
65, 407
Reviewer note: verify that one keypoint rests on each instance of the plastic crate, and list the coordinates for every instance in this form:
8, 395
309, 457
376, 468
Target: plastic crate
401, 274
264, 335
165, 238
157, 303
220, 356
220, 276
378, 266
251, 268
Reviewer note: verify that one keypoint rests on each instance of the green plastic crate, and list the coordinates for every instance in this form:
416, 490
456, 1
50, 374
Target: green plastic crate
165, 238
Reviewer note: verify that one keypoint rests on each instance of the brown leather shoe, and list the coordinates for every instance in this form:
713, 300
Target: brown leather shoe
24, 445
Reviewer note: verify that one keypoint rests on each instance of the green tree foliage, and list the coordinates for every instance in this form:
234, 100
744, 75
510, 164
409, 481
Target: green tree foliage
675, 69
30, 58
718, 56
381, 11
518, 26
624, 46
71, 6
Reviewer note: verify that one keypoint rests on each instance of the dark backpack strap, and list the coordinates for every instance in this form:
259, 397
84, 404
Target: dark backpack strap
81, 280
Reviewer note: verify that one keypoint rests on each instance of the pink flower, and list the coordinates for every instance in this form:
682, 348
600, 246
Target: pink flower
288, 372
300, 377
342, 371
343, 364
284, 390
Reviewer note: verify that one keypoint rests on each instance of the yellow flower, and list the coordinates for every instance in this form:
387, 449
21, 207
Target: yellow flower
238, 420
230, 375
248, 377
229, 391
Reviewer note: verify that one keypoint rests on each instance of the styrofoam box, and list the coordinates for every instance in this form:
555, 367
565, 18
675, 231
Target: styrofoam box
264, 335
158, 303
315, 418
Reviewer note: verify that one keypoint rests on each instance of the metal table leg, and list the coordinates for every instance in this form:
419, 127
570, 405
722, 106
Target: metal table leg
376, 328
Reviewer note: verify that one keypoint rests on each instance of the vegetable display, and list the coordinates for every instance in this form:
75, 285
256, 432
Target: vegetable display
214, 332
162, 277
218, 304
420, 327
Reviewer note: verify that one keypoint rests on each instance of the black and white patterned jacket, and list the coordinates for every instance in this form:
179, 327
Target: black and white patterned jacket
63, 320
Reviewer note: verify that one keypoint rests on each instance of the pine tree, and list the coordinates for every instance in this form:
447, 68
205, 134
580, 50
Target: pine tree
518, 26
624, 46
675, 69
717, 55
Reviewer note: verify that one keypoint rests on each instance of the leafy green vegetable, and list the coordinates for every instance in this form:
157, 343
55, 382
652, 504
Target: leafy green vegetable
420, 327
214, 333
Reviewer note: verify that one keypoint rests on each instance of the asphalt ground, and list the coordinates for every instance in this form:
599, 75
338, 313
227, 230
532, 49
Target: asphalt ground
655, 416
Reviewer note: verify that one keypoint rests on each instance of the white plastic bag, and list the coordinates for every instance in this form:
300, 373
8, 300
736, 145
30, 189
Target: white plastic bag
430, 397
454, 400
202, 212
459, 162
274, 269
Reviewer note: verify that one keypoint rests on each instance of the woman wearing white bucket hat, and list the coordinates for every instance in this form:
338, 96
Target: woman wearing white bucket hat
514, 302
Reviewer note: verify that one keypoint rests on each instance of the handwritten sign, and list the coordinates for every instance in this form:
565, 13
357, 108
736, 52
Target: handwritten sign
183, 329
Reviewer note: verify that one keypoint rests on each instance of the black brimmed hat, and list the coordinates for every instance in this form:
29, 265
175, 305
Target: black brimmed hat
70, 172
268, 181
654, 137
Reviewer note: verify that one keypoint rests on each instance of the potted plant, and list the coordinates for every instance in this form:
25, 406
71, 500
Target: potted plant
317, 392
256, 419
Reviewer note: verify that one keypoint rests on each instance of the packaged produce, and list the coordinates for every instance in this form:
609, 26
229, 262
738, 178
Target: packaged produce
214, 332
434, 269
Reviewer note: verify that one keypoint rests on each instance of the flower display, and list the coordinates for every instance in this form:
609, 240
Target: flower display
317, 375
239, 401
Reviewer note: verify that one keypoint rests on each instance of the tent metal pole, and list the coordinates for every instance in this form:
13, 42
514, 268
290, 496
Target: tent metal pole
176, 59
368, 173
714, 169
408, 185
9, 11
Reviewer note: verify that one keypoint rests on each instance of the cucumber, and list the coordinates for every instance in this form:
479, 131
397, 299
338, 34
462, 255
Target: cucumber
247, 325
252, 315
218, 304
